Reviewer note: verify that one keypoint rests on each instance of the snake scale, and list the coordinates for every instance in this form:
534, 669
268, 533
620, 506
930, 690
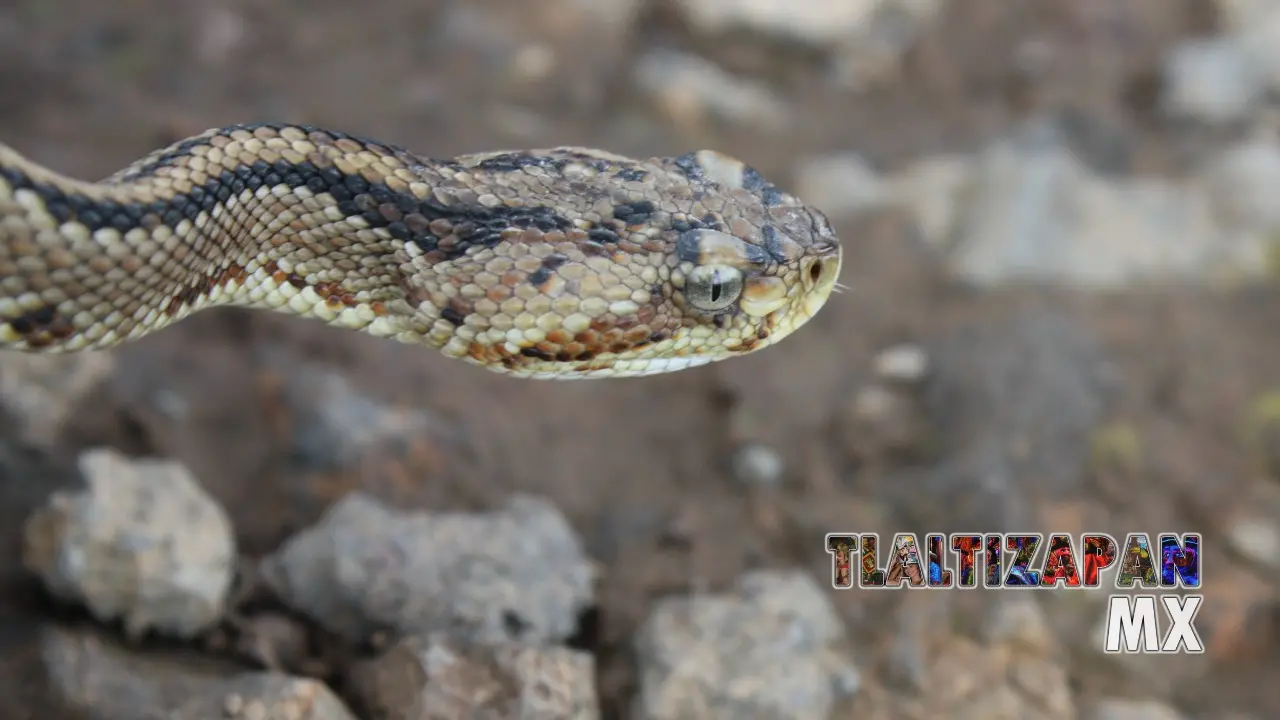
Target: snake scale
560, 263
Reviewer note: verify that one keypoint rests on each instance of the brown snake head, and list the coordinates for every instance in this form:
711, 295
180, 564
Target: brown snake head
651, 267
561, 263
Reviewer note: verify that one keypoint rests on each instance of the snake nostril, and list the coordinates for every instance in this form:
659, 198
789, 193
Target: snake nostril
815, 270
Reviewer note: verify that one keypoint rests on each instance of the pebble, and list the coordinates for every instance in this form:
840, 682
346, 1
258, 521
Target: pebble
758, 465
1256, 539
43, 390
771, 647
842, 185
433, 677
103, 680
1116, 709
143, 543
693, 91
905, 364
1213, 81
516, 573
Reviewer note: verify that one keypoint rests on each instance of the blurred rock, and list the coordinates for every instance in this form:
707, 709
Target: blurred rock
968, 682
933, 190
905, 364
143, 544
423, 678
1112, 709
817, 22
518, 573
840, 185
40, 390
259, 696
338, 424
1013, 403
758, 466
1018, 622
1031, 211
1256, 539
1241, 182
107, 682
1255, 26
770, 649
1213, 81
693, 91
874, 52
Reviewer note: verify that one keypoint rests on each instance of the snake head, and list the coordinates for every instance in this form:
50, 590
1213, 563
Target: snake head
581, 264
751, 272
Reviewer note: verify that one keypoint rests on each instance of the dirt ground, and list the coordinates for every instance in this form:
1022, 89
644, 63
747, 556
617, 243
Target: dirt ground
87, 87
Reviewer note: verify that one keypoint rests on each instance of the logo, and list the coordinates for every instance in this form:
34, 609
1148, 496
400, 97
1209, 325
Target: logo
1163, 622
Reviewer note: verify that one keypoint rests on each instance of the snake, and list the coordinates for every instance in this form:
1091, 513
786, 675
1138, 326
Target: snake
560, 263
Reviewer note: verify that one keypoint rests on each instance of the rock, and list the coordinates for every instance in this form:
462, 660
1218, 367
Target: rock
968, 682
817, 22
1113, 709
143, 544
1032, 211
841, 185
771, 648
41, 390
873, 53
260, 696
933, 191
1013, 402
693, 91
905, 364
1019, 623
518, 573
104, 681
340, 424
1256, 28
1213, 81
433, 677
1241, 180
1256, 539
759, 466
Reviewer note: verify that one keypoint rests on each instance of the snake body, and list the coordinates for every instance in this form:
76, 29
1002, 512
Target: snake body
559, 263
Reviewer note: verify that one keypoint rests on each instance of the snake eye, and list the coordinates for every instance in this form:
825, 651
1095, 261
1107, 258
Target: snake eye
713, 287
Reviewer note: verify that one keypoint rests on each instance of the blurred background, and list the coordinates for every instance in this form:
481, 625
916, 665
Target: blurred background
1061, 246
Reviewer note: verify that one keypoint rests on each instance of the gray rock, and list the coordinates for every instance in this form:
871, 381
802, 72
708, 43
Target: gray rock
1031, 211
518, 573
143, 544
1018, 622
1241, 182
693, 90
1114, 709
817, 22
1214, 81
107, 682
906, 364
841, 185
773, 648
340, 423
757, 465
434, 677
41, 390
1256, 539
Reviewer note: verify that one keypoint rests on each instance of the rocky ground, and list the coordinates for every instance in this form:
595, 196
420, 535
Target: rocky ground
1061, 243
